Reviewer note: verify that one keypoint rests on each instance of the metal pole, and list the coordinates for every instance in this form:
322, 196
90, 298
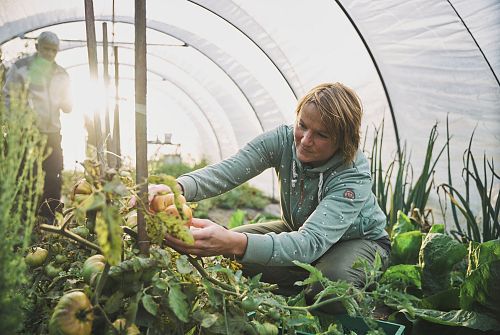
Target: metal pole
140, 121
94, 134
116, 119
108, 139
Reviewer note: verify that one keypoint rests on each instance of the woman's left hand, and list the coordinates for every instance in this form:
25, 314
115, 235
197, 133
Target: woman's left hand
210, 239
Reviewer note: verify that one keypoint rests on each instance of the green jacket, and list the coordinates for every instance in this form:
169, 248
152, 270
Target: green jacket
48, 89
320, 206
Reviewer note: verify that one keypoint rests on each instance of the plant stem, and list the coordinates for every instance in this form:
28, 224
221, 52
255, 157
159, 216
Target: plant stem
204, 274
101, 282
70, 235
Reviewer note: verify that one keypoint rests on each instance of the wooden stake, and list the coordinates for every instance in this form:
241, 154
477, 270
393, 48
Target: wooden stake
140, 121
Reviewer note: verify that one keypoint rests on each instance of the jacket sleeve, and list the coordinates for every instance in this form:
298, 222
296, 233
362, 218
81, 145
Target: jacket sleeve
66, 104
336, 214
256, 156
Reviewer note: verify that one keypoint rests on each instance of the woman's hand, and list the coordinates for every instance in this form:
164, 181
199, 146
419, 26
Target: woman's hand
211, 239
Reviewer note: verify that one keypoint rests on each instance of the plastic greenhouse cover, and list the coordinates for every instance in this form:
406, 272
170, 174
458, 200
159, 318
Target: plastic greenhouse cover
246, 63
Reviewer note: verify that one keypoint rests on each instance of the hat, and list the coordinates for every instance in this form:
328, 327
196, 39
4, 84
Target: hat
48, 37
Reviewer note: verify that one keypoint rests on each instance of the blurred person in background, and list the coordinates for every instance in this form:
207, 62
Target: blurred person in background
47, 88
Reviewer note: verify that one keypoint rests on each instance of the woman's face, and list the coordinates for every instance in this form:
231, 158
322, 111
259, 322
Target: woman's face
313, 143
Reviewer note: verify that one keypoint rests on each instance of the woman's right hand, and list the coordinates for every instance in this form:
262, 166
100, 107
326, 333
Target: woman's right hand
211, 239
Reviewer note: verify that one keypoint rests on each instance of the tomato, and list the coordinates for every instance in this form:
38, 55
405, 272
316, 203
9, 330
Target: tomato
81, 231
161, 201
120, 326
274, 314
82, 187
92, 267
36, 257
265, 328
72, 315
51, 270
60, 259
249, 304
172, 211
187, 212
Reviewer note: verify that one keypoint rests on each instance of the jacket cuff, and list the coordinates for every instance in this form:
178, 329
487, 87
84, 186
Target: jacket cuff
259, 249
189, 187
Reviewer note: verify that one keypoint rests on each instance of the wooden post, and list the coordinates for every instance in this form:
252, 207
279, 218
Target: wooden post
108, 139
140, 121
116, 119
95, 137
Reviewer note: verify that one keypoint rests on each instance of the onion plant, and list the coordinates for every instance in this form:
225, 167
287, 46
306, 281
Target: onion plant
484, 182
394, 186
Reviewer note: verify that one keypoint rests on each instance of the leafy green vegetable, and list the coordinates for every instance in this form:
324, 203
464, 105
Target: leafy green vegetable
481, 289
405, 247
481, 253
456, 318
438, 254
437, 228
443, 300
402, 225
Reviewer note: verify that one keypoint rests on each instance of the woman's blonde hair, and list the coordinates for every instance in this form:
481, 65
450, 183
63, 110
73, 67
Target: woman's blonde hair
341, 110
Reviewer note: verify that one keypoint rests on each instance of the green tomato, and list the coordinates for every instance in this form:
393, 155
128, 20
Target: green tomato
81, 231
274, 314
92, 267
37, 257
270, 329
60, 259
265, 328
120, 325
72, 315
52, 271
249, 304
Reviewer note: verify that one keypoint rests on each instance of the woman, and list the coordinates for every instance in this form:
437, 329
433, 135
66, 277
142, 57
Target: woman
330, 216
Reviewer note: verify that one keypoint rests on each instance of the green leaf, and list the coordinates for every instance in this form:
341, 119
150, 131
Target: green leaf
481, 289
183, 265
402, 225
161, 255
402, 276
237, 218
405, 247
482, 253
443, 300
456, 318
209, 319
109, 234
114, 302
115, 186
95, 201
437, 228
314, 274
149, 304
438, 254
178, 302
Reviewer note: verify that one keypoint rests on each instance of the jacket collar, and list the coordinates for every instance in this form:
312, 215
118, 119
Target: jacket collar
333, 163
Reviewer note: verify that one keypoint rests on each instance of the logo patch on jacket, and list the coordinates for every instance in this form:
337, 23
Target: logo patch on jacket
349, 194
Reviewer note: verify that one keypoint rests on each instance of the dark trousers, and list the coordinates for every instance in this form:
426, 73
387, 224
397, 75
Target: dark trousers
335, 264
52, 167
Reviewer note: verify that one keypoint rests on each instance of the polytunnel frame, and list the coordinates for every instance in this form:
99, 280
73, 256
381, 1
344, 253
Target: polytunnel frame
126, 21
152, 24
172, 81
164, 77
